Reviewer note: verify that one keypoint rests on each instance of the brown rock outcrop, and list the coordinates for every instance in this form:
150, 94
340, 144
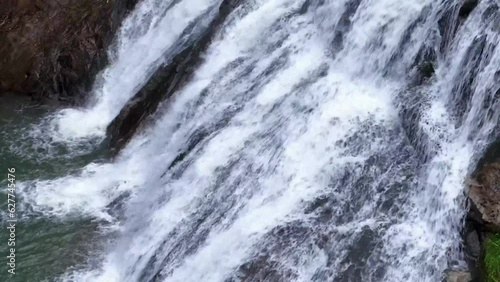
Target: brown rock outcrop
485, 194
483, 217
54, 48
458, 276
484, 188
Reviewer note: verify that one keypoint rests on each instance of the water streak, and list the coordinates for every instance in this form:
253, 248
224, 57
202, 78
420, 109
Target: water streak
302, 149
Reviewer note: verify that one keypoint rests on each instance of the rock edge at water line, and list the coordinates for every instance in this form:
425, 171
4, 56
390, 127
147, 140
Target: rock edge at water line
167, 79
483, 217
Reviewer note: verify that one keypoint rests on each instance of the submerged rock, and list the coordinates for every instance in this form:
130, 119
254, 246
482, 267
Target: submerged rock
167, 79
53, 49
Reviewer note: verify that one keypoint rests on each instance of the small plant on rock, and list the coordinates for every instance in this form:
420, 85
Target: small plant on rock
492, 258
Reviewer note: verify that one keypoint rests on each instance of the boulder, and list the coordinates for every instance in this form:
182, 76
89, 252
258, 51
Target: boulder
483, 216
53, 49
484, 192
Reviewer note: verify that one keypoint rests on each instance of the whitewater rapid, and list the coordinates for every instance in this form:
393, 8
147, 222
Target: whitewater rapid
307, 152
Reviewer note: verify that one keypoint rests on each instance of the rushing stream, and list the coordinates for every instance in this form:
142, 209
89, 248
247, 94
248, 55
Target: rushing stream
307, 146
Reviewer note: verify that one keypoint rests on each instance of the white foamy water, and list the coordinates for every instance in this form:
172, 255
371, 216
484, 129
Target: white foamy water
284, 158
145, 36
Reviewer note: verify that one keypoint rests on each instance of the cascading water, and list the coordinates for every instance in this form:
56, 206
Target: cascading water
301, 149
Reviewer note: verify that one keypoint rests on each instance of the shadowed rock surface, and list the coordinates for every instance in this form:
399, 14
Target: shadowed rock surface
53, 49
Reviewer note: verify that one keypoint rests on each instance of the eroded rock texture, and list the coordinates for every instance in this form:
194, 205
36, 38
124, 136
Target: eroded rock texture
53, 49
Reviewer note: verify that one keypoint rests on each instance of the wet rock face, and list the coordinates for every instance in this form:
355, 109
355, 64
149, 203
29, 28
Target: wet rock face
451, 18
167, 79
467, 8
52, 49
483, 217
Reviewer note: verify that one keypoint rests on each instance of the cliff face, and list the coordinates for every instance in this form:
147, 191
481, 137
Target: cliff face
483, 218
54, 48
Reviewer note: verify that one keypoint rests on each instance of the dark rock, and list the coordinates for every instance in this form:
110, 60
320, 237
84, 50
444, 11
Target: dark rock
467, 7
450, 19
447, 25
490, 13
491, 155
344, 25
485, 194
53, 49
473, 238
474, 244
357, 256
426, 70
484, 189
262, 268
167, 79
410, 114
483, 215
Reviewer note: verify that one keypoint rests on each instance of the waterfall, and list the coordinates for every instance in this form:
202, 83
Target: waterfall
317, 140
